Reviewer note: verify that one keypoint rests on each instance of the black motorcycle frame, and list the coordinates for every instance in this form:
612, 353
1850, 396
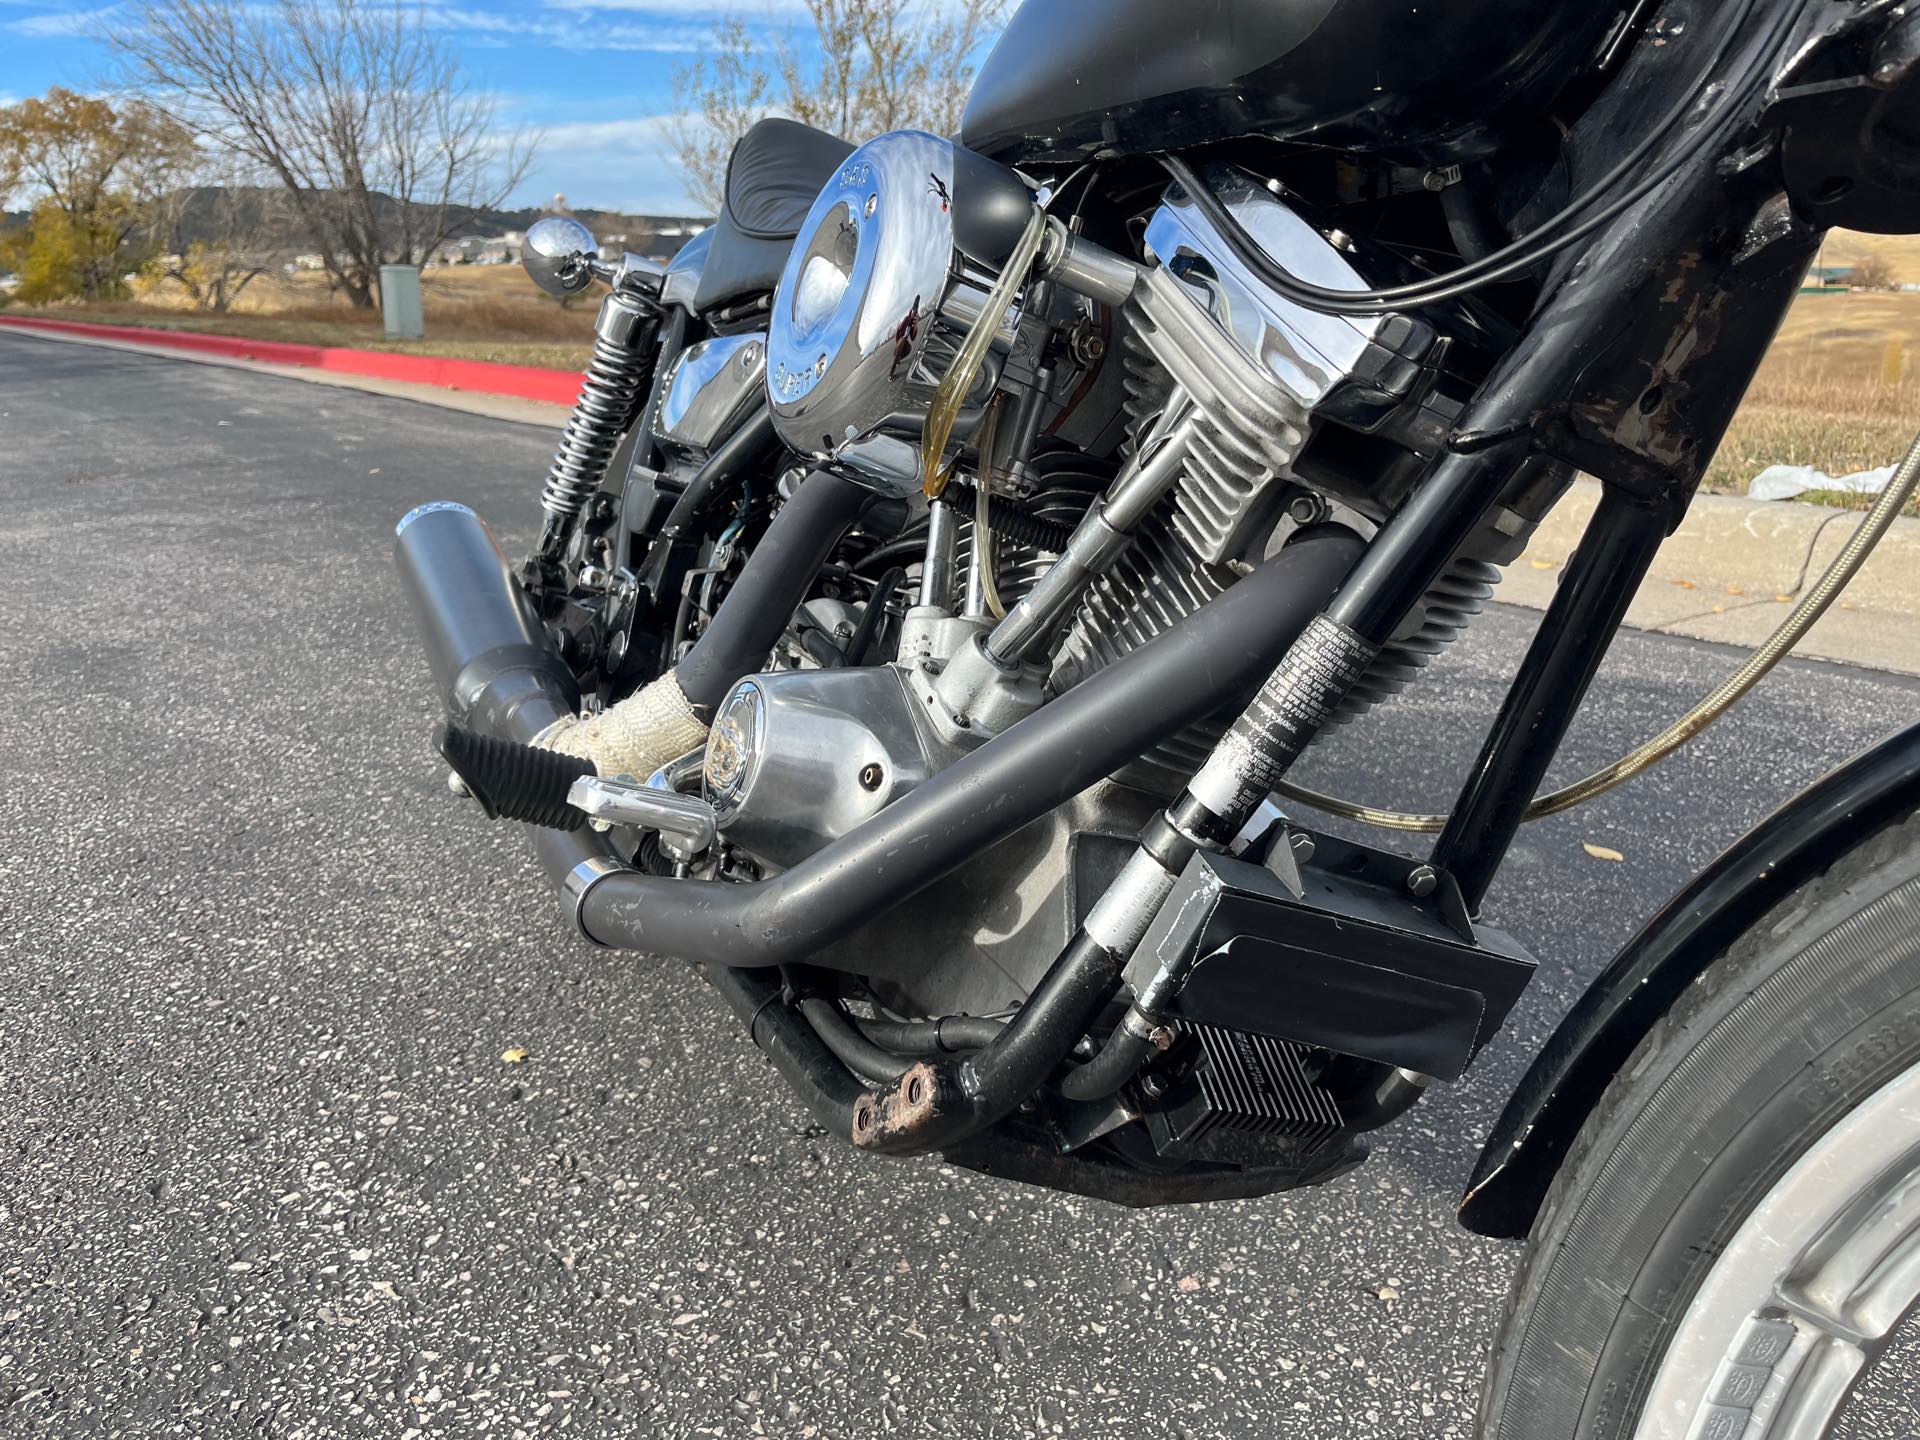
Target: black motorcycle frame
1639, 348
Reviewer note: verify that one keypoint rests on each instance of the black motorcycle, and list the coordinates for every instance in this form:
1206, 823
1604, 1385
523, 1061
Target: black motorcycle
954, 547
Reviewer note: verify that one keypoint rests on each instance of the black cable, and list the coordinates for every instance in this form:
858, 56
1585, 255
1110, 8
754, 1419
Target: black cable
1117, 1063
854, 1050
943, 1035
872, 613
1529, 251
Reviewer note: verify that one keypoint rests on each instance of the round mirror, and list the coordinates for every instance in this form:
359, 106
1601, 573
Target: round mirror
558, 253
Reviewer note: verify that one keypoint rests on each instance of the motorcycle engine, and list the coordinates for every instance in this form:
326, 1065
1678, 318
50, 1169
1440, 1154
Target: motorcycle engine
1290, 418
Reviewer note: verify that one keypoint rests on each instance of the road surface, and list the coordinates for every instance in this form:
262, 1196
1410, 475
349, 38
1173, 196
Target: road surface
265, 1171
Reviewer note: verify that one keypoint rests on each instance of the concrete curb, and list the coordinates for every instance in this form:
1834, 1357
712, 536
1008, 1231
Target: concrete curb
471, 402
485, 377
1735, 566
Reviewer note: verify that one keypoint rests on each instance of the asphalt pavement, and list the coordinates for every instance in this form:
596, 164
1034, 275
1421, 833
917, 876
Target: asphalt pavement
264, 1171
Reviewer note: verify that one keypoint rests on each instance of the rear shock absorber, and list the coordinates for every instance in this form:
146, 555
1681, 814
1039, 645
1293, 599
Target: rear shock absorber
617, 376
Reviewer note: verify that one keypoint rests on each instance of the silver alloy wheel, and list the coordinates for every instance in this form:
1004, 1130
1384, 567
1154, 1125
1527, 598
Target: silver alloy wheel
1808, 1289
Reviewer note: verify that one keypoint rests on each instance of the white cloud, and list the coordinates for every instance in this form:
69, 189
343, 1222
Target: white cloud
63, 24
566, 31
708, 9
622, 164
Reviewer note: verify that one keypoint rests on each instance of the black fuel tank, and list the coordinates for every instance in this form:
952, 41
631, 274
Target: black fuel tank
1423, 79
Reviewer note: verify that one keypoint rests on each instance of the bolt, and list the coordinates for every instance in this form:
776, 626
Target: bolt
871, 775
1152, 1086
873, 204
916, 1090
1340, 240
457, 785
1302, 846
1422, 881
1307, 509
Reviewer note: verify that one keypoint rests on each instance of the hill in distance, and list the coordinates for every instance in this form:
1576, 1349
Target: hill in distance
212, 212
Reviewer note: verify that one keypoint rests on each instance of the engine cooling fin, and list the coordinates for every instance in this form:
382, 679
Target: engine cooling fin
1156, 583
1460, 593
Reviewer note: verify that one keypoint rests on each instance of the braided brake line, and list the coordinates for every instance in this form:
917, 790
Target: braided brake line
1900, 487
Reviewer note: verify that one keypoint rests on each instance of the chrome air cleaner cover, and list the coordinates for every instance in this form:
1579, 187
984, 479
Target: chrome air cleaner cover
857, 341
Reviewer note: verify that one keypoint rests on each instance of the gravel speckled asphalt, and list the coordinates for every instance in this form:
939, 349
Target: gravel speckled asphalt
263, 1170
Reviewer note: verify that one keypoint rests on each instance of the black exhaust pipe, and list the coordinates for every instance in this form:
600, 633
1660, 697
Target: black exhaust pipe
484, 645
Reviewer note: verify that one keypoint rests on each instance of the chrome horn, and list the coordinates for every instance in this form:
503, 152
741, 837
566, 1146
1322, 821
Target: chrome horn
561, 256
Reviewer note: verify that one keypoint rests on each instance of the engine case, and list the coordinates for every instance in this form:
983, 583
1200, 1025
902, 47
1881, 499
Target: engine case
797, 758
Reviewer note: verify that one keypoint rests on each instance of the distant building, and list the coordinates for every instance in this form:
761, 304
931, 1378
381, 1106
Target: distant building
1831, 275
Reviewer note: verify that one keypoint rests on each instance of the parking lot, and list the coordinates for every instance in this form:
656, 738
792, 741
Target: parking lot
266, 1171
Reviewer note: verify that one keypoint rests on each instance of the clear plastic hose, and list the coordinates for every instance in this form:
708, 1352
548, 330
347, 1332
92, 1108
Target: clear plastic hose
983, 541
953, 388
1771, 651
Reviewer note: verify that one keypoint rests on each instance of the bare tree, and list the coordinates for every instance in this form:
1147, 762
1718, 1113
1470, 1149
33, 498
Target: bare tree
1875, 272
216, 237
357, 109
869, 66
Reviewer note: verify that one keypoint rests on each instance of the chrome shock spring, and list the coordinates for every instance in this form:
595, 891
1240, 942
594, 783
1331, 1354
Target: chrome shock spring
621, 366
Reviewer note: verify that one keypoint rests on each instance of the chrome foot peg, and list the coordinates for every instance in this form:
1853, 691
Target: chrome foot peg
686, 821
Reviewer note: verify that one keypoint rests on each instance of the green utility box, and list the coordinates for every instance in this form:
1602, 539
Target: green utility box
400, 302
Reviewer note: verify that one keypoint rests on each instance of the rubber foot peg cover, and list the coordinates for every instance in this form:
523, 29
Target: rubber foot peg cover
513, 781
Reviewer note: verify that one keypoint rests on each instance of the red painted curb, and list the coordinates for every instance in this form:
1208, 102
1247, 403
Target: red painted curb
486, 377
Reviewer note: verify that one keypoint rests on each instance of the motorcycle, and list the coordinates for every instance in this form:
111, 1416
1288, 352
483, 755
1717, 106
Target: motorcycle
953, 548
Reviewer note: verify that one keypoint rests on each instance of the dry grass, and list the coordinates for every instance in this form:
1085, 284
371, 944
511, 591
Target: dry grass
476, 312
1840, 389
1829, 394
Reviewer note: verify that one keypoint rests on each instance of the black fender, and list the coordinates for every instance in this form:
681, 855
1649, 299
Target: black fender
1564, 1083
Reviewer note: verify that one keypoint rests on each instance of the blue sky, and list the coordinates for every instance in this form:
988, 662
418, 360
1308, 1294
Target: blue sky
595, 75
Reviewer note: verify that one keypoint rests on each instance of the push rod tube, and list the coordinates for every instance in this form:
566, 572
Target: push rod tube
1096, 543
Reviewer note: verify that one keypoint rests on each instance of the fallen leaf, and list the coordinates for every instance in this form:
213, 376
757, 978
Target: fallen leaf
1388, 1293
1719, 609
1543, 565
1784, 599
1601, 852
1684, 584
1189, 1284
1735, 590
514, 1054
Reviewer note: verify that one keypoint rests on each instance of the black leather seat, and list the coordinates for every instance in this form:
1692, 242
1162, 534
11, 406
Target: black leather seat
777, 169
